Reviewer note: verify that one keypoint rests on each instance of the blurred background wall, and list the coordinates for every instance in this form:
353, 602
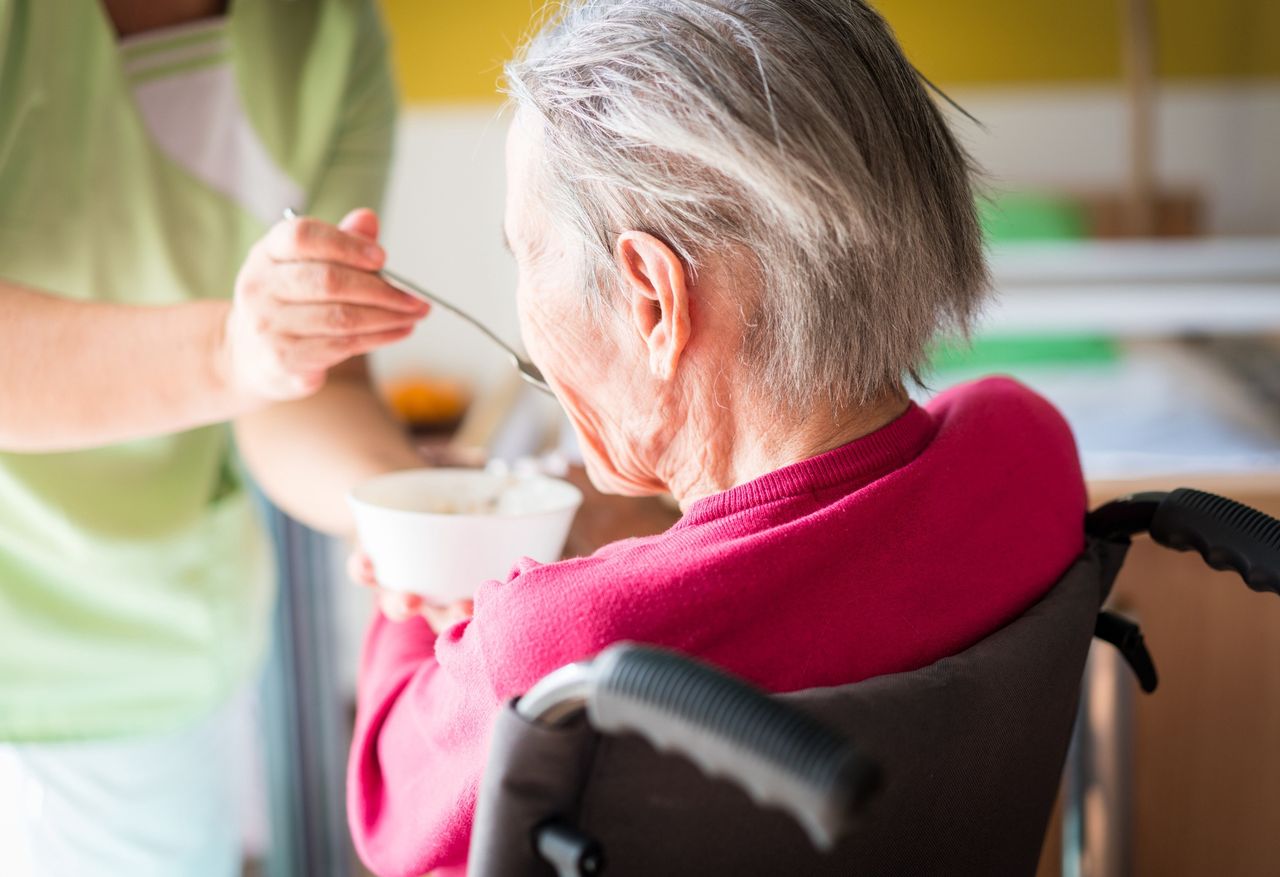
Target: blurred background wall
1045, 79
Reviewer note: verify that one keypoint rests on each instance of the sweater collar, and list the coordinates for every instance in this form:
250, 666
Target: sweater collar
853, 465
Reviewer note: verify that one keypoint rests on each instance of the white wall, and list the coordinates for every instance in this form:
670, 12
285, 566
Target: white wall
444, 210
443, 222
1223, 141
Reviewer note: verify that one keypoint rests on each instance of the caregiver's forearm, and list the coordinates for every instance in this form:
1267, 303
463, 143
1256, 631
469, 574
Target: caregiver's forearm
306, 455
75, 375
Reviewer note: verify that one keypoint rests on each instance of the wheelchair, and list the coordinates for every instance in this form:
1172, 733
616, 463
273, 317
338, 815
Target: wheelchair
636, 762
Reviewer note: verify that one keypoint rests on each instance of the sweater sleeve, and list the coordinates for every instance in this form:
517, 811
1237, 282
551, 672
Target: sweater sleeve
425, 706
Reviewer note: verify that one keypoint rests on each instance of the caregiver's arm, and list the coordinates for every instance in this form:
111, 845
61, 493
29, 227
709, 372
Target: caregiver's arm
307, 454
79, 374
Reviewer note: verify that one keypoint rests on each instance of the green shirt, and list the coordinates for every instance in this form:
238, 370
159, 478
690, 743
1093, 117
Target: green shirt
134, 579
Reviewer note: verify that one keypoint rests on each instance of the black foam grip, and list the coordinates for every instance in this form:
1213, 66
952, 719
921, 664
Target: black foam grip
778, 754
1228, 535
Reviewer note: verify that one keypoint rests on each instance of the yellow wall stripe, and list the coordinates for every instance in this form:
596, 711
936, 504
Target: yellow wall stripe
449, 51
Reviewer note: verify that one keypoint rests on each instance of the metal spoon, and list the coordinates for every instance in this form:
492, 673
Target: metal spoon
528, 371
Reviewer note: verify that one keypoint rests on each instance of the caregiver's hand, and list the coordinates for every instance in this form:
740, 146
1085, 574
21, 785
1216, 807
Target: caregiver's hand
399, 606
307, 298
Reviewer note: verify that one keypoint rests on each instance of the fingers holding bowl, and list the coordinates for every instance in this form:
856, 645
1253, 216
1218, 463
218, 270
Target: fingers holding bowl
401, 605
360, 569
439, 618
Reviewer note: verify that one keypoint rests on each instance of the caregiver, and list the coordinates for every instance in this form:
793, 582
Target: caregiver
144, 148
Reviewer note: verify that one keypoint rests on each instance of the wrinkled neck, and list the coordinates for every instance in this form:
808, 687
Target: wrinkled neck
722, 444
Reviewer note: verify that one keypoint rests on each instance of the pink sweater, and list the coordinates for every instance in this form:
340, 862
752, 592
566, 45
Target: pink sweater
884, 555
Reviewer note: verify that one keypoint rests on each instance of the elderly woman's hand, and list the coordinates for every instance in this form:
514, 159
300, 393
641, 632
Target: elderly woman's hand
308, 298
400, 606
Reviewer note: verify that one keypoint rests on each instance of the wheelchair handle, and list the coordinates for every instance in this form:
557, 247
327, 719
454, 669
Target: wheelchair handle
780, 756
1226, 533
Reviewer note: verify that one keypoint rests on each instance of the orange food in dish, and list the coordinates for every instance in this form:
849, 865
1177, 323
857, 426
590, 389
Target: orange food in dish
420, 400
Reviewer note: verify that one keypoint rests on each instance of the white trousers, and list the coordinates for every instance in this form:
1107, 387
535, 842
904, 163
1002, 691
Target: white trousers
157, 806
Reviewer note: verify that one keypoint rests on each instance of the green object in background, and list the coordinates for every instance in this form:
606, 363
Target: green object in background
1025, 217
1029, 216
1001, 353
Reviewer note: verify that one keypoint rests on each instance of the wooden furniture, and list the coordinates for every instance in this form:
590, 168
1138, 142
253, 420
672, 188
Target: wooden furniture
1206, 745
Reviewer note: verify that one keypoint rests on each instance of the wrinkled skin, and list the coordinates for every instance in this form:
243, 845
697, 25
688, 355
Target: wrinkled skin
640, 383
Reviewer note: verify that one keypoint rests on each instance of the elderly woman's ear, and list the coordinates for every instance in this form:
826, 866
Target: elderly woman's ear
655, 288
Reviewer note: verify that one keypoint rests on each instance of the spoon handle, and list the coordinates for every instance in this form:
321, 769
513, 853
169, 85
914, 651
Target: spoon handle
528, 371
418, 292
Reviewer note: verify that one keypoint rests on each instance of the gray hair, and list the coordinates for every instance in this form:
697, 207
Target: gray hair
794, 131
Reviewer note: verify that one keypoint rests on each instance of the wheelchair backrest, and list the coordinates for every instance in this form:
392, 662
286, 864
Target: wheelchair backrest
971, 746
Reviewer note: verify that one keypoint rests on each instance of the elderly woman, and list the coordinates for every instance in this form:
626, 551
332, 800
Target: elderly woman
738, 226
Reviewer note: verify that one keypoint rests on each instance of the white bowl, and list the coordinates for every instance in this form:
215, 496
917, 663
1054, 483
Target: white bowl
441, 532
